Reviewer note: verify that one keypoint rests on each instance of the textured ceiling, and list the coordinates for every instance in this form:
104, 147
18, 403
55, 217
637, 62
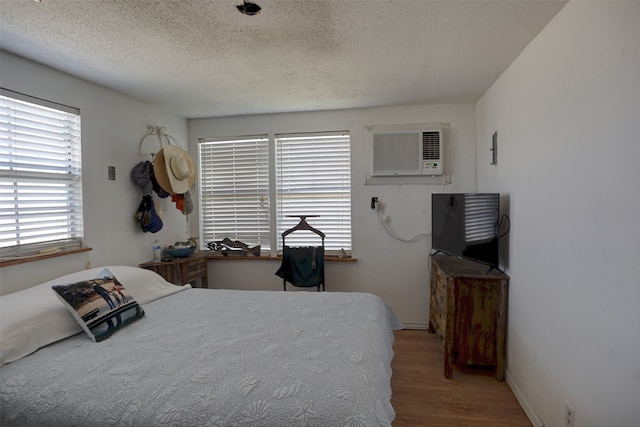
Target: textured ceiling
202, 58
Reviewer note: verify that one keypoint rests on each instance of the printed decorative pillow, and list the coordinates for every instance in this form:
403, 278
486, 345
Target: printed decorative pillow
101, 305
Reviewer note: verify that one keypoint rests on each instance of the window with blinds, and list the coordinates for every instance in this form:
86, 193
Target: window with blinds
234, 190
314, 178
40, 176
305, 174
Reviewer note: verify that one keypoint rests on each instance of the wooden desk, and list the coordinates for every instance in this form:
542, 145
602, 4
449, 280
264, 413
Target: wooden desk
469, 313
181, 271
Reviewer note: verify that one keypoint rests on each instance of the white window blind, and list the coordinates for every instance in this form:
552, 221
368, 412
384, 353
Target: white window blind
40, 175
313, 174
234, 190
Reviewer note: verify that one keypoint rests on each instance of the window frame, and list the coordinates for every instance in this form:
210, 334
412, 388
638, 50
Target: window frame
67, 184
275, 234
326, 163
231, 164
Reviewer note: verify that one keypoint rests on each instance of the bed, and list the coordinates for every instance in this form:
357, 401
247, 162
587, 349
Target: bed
198, 357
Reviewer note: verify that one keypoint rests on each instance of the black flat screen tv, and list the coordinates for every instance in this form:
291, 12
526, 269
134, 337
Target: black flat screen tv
466, 225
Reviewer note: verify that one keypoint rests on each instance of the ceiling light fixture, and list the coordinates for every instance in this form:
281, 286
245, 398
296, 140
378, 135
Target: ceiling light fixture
249, 8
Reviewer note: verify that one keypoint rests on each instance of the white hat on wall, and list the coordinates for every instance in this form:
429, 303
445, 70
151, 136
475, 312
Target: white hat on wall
174, 169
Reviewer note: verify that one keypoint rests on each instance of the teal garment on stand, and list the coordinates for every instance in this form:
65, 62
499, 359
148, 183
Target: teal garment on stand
302, 266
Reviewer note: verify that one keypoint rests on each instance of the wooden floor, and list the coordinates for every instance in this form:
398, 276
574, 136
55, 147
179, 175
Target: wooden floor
423, 397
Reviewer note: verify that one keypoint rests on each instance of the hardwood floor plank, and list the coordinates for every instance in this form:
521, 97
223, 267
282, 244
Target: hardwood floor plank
422, 396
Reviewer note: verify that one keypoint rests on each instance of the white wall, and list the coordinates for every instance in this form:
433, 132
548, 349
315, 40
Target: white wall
112, 126
396, 271
567, 112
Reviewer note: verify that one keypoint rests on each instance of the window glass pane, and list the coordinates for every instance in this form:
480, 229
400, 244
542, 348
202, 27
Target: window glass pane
40, 176
312, 175
314, 178
234, 190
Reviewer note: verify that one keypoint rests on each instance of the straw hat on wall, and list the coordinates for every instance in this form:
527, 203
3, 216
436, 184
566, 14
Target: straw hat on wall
174, 169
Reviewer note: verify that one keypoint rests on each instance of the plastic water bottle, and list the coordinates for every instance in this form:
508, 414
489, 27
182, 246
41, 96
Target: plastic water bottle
157, 251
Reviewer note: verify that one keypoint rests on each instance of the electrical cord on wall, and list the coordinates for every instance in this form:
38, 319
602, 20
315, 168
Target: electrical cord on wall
501, 225
383, 220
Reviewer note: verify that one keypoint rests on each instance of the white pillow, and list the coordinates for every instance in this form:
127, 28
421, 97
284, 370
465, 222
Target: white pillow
34, 317
144, 285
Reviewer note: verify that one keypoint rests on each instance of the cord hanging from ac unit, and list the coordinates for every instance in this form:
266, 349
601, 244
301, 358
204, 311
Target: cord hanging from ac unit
383, 221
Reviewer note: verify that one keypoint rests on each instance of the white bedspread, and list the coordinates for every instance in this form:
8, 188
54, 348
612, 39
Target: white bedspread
217, 358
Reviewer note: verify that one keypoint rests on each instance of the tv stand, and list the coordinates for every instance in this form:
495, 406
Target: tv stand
491, 268
468, 311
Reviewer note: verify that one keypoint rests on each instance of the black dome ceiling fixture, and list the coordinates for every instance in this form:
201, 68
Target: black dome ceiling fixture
249, 8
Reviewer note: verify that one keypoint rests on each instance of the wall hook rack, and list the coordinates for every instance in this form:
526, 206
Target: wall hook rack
163, 139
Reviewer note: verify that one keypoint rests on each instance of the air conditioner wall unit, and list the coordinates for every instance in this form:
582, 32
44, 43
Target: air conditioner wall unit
408, 153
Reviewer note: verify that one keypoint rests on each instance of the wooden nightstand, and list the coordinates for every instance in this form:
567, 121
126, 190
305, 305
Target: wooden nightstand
181, 271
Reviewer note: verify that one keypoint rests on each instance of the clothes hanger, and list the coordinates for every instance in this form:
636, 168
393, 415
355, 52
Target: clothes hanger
303, 225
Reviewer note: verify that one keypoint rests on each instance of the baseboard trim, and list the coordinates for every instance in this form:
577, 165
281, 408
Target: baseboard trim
528, 409
417, 326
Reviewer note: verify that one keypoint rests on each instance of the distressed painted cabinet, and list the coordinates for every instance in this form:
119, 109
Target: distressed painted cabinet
468, 311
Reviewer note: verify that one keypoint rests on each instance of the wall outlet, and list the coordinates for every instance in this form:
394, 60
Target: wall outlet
374, 202
569, 416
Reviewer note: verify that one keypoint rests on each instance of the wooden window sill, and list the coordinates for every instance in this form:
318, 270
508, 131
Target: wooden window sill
39, 257
272, 258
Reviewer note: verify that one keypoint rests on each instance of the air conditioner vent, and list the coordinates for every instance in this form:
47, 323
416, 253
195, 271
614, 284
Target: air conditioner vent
431, 145
407, 152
